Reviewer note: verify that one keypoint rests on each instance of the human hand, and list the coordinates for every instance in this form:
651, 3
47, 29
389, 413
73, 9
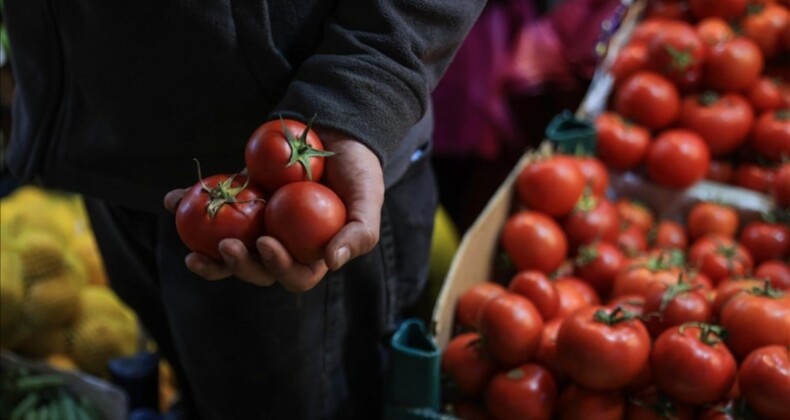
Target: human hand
355, 174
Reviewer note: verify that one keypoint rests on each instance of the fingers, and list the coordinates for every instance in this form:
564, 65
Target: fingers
206, 267
245, 266
294, 276
173, 198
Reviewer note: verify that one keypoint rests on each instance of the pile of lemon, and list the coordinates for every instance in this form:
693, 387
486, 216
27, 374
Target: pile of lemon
54, 301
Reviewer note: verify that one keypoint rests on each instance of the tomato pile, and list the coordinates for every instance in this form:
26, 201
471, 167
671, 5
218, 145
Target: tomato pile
702, 91
609, 310
280, 195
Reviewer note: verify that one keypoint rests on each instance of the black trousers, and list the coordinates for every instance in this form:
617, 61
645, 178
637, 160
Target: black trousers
246, 352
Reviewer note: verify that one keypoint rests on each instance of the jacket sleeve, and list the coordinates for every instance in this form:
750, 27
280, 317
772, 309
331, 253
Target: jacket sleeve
372, 75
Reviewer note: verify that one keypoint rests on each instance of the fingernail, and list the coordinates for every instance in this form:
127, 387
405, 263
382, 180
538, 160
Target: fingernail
342, 255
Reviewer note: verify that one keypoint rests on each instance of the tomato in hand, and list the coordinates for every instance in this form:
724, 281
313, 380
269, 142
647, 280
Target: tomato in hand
219, 207
771, 135
467, 364
692, 364
602, 349
534, 241
536, 286
667, 306
678, 158
775, 271
304, 216
764, 380
621, 145
766, 241
467, 309
733, 66
756, 318
511, 327
550, 185
723, 121
647, 98
707, 217
284, 151
526, 392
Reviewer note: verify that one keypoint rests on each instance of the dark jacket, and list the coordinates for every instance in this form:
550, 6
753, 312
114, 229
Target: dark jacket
114, 99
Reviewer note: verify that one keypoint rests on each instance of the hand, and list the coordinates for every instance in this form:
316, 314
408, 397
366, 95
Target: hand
355, 174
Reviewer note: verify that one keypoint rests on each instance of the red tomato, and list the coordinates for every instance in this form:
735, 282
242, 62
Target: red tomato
719, 256
602, 349
632, 302
668, 306
596, 176
731, 66
754, 177
536, 286
640, 272
727, 9
219, 207
635, 213
647, 98
756, 318
467, 310
669, 234
592, 219
692, 364
631, 58
714, 30
723, 121
547, 351
304, 216
677, 54
781, 186
631, 241
729, 409
766, 94
511, 327
577, 402
678, 158
766, 25
707, 217
551, 185
574, 294
775, 271
284, 151
598, 264
732, 286
646, 29
526, 392
466, 363
621, 145
764, 380
534, 241
720, 171
766, 241
771, 136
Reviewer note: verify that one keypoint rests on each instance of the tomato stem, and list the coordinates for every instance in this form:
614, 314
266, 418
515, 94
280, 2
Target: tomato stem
673, 291
709, 334
616, 316
767, 291
301, 150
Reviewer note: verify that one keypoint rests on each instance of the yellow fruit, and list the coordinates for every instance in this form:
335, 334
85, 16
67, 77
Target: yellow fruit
12, 289
100, 301
86, 250
95, 341
61, 361
42, 255
444, 244
53, 302
42, 343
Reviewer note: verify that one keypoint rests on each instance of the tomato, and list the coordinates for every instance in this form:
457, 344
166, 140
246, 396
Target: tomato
638, 273
284, 151
467, 310
631, 302
719, 256
466, 363
667, 306
720, 171
775, 271
648, 28
764, 379
754, 177
632, 241
526, 392
550, 185
219, 207
677, 54
766, 25
592, 219
534, 241
726, 9
647, 98
511, 327
771, 136
669, 234
621, 145
631, 58
536, 286
714, 30
766, 94
667, 9
598, 264
602, 349
678, 158
723, 121
574, 294
635, 213
781, 186
652, 405
729, 409
596, 176
547, 351
732, 286
692, 364
734, 65
765, 241
707, 217
756, 318
304, 216
577, 402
